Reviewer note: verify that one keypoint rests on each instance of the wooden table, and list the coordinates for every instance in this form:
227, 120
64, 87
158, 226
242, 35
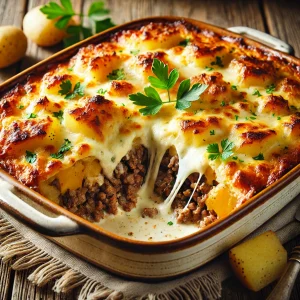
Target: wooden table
281, 18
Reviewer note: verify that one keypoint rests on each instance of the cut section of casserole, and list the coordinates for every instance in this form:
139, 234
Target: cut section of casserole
73, 134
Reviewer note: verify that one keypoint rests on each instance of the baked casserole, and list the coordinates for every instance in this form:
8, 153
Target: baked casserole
86, 135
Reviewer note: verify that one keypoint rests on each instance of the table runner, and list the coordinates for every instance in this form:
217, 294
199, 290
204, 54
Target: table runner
24, 248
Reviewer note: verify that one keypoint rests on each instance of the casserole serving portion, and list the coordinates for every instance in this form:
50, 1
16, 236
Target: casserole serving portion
98, 135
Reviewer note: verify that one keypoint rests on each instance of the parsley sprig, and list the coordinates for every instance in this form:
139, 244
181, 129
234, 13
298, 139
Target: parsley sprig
69, 93
165, 81
214, 151
65, 12
66, 146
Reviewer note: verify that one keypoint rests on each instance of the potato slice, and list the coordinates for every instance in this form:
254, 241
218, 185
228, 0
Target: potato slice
259, 261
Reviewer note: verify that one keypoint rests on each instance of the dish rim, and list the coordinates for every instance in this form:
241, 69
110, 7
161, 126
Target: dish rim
109, 237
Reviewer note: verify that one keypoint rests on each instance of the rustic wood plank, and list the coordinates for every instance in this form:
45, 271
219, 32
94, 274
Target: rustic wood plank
11, 13
283, 19
222, 13
6, 279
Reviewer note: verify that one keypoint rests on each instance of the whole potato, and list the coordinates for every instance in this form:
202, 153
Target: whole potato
13, 45
41, 30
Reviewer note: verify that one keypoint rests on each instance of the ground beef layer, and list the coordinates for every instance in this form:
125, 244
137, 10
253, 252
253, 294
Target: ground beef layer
196, 211
92, 201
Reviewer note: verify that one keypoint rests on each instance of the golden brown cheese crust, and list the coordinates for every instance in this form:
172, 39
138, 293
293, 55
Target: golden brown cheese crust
253, 99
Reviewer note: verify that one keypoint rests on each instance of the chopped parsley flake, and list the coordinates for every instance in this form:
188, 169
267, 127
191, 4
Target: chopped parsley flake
20, 106
257, 93
66, 146
212, 132
30, 157
252, 118
117, 74
218, 62
278, 118
209, 68
234, 87
260, 156
236, 117
170, 223
59, 115
270, 88
185, 42
135, 52
31, 116
101, 91
113, 159
234, 157
223, 103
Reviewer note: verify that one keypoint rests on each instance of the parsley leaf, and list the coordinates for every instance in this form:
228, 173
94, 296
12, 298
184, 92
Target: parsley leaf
52, 10
66, 146
270, 88
170, 223
185, 95
260, 156
30, 157
257, 93
66, 89
64, 14
166, 81
59, 115
212, 132
151, 100
218, 62
214, 152
162, 79
20, 106
97, 10
101, 25
31, 116
223, 103
234, 87
227, 149
117, 74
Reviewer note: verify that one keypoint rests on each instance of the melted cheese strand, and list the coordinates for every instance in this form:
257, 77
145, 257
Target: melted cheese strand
191, 197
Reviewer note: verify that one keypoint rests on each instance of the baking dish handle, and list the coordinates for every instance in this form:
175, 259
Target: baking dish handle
56, 226
264, 38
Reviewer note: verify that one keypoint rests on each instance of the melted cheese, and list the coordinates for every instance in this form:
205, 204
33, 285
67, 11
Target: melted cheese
237, 105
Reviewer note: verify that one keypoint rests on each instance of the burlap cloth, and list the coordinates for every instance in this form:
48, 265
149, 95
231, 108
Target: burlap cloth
26, 248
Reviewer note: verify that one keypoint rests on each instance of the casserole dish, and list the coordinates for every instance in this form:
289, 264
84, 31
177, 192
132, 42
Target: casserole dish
143, 259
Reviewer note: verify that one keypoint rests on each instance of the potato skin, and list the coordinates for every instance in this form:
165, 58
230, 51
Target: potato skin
41, 30
13, 45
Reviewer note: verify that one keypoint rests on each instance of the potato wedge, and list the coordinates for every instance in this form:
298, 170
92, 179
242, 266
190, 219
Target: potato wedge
259, 261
